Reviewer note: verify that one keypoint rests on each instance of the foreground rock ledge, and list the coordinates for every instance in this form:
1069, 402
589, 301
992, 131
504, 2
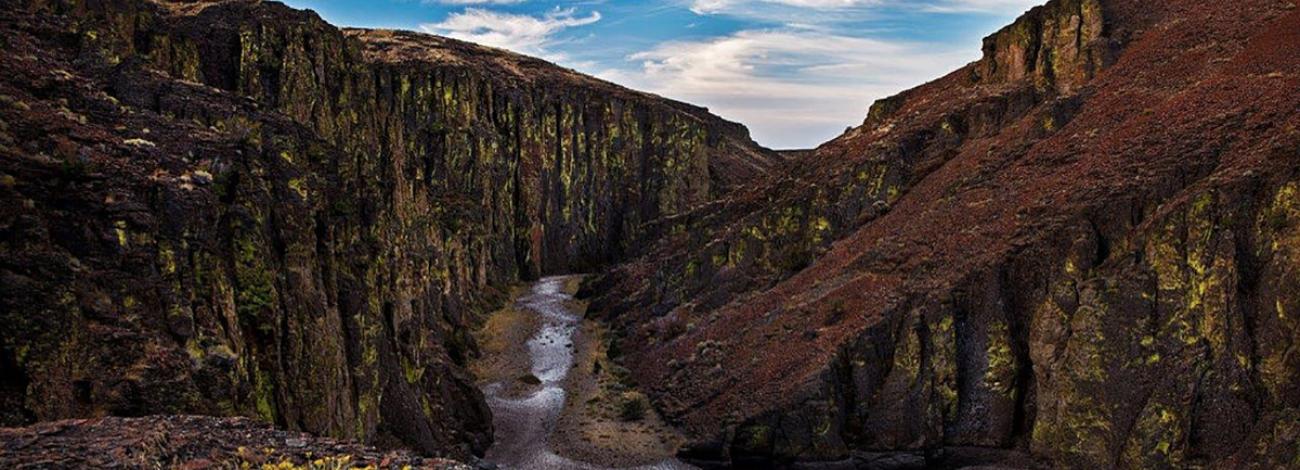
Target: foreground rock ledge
190, 442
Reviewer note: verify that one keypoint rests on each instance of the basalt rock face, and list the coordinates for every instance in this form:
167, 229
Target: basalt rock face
191, 442
1079, 251
234, 208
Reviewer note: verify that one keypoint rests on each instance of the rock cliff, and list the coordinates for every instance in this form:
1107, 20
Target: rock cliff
235, 208
1077, 252
192, 442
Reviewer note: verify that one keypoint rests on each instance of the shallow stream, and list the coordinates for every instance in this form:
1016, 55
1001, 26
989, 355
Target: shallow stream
524, 425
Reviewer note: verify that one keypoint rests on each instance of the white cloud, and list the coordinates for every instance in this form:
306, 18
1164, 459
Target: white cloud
803, 83
792, 87
985, 6
472, 2
719, 6
520, 33
749, 7
779, 11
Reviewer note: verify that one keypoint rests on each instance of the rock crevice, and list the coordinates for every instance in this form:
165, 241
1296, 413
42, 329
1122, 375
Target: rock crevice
235, 208
1053, 255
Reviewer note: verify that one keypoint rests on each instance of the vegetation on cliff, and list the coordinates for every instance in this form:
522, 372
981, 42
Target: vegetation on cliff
1070, 252
1079, 251
193, 442
234, 208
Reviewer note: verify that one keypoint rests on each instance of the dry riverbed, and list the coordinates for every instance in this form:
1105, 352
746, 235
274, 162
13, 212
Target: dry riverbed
557, 398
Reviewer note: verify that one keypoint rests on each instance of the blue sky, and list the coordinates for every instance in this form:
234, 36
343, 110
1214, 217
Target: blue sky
797, 72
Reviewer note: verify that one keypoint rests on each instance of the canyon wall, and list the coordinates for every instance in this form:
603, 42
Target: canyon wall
1075, 252
234, 208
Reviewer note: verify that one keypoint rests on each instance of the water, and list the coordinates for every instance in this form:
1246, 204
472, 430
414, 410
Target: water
524, 425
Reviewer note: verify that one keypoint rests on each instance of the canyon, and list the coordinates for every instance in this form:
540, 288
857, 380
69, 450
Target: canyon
234, 223
1075, 252
234, 208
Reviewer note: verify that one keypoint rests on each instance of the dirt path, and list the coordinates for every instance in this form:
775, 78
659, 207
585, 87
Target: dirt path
557, 400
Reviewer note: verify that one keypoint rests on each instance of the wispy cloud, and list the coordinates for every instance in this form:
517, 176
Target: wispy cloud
981, 6
760, 7
471, 2
522, 33
722, 6
782, 11
791, 86
797, 72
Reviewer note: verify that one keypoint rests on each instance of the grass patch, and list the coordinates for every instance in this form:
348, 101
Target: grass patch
633, 406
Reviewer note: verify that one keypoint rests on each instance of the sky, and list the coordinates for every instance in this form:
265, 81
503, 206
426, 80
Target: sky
796, 72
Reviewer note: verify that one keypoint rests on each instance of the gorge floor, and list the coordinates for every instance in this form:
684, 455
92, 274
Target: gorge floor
557, 399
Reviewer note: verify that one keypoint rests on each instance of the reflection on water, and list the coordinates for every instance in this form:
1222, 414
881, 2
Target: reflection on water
524, 425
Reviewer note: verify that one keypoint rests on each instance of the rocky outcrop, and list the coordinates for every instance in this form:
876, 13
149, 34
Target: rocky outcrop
596, 161
1073, 252
1061, 45
234, 208
191, 442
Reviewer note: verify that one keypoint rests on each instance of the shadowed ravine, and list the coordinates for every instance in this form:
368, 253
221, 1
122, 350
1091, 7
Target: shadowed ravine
268, 235
524, 425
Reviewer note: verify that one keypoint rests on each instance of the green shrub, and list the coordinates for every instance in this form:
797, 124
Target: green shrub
633, 407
